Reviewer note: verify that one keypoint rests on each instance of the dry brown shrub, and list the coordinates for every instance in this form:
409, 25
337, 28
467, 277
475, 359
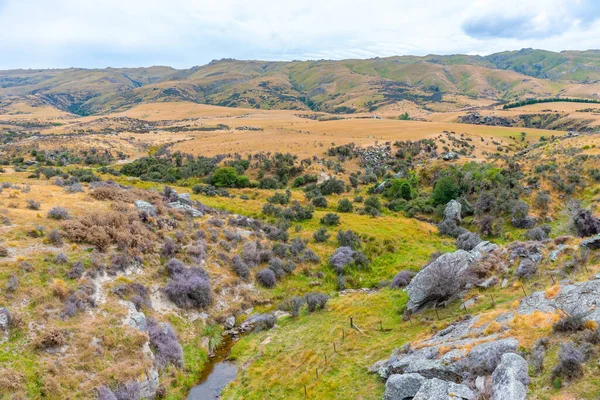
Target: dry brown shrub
10, 380
104, 229
51, 338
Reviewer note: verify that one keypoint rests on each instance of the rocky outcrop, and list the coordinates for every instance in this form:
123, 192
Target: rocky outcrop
144, 206
5, 318
400, 387
510, 379
452, 212
450, 266
135, 319
436, 389
580, 298
592, 243
454, 363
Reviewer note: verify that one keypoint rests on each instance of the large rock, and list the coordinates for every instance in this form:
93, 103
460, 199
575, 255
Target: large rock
401, 387
134, 318
436, 389
188, 209
447, 265
484, 358
510, 379
4, 323
144, 206
583, 297
452, 211
423, 362
592, 243
149, 385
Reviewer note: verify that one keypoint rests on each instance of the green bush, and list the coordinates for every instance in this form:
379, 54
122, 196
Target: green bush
444, 190
330, 219
345, 206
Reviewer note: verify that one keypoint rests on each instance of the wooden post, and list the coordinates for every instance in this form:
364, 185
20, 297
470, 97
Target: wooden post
325, 359
524, 292
343, 334
351, 322
552, 277
492, 297
464, 306
305, 392
334, 349
317, 373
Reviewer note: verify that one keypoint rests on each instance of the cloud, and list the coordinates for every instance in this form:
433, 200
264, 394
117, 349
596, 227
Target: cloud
529, 19
100, 33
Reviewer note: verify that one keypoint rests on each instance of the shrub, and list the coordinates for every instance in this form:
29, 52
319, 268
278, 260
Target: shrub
467, 241
250, 254
280, 198
373, 206
537, 233
330, 219
33, 205
262, 322
13, 284
402, 279
332, 186
585, 223
79, 301
570, 323
450, 228
320, 201
165, 344
240, 268
58, 213
321, 235
105, 393
276, 265
310, 256
225, 177
55, 238
538, 354
169, 248
348, 239
128, 391
316, 301
293, 305
520, 216
76, 270
445, 189
345, 206
188, 287
51, 339
60, 258
569, 362
266, 277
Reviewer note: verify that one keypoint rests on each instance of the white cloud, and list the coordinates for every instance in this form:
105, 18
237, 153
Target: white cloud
182, 33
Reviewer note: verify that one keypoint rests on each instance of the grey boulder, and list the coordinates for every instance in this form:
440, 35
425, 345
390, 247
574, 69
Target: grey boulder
436, 389
510, 379
401, 387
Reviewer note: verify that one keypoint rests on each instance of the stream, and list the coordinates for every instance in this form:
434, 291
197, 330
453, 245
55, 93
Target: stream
216, 375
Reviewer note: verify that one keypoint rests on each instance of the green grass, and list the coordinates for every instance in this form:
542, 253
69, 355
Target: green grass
281, 362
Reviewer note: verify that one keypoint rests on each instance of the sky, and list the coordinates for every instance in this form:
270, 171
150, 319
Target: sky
184, 33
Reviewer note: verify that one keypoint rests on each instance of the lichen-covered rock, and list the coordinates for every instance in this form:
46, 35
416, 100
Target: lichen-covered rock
484, 358
436, 389
134, 318
149, 385
510, 379
5, 318
401, 387
592, 243
146, 207
583, 297
452, 211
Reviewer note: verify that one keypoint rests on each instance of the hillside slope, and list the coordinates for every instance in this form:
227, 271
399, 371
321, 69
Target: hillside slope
331, 86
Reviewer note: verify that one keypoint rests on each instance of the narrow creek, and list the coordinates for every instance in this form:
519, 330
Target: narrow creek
216, 375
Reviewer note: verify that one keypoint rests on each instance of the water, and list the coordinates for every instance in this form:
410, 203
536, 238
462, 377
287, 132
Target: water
217, 374
221, 374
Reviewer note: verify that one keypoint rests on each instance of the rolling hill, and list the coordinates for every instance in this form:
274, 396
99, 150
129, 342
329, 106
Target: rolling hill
331, 86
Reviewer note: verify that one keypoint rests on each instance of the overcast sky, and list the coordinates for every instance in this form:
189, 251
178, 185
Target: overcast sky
184, 33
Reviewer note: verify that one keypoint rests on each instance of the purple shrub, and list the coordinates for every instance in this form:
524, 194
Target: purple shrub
58, 213
316, 301
76, 270
187, 287
165, 344
342, 257
105, 393
402, 279
60, 258
266, 277
128, 391
250, 254
240, 268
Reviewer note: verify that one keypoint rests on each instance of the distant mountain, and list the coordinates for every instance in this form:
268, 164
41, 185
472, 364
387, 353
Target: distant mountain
332, 86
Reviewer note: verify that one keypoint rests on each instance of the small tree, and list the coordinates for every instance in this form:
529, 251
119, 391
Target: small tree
444, 190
